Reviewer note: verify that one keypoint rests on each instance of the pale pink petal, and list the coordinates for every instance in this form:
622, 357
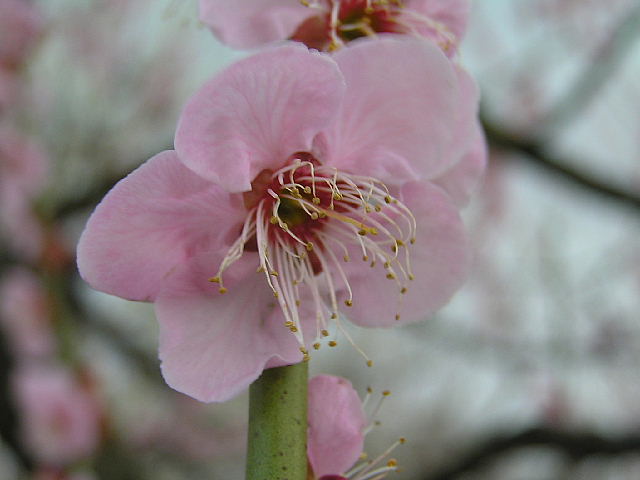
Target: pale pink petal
212, 345
258, 112
402, 99
461, 180
250, 23
451, 17
336, 423
439, 260
150, 222
60, 418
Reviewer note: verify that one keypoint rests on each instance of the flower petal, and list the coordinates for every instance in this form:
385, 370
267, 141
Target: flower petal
461, 180
439, 261
150, 222
251, 23
336, 425
451, 17
258, 112
214, 346
402, 98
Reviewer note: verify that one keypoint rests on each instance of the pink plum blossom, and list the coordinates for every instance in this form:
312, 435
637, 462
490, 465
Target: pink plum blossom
330, 24
337, 425
21, 25
23, 172
301, 184
61, 420
24, 315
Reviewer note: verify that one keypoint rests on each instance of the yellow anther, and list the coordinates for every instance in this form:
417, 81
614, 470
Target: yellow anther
362, 232
368, 209
372, 264
369, 363
411, 277
373, 231
369, 390
275, 294
348, 303
412, 240
394, 248
391, 276
293, 329
377, 208
365, 258
334, 316
260, 270
274, 273
397, 316
403, 290
214, 279
322, 215
303, 350
387, 264
402, 440
222, 290
307, 190
314, 215
392, 463
306, 357
297, 303
316, 346
316, 200
309, 246
273, 220
333, 343
288, 323
346, 258
387, 199
399, 242
337, 196
386, 393
363, 456
324, 333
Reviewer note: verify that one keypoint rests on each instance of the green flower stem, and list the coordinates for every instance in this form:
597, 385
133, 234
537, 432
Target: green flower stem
277, 446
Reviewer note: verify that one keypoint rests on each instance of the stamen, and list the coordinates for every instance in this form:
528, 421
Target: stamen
310, 220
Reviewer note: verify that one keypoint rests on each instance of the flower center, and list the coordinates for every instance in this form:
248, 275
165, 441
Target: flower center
341, 21
306, 221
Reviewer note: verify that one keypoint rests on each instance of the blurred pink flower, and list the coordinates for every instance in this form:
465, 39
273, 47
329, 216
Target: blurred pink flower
51, 474
54, 474
318, 172
329, 24
23, 172
21, 25
24, 315
337, 427
61, 420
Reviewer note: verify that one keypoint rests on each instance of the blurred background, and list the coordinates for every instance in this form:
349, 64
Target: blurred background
531, 373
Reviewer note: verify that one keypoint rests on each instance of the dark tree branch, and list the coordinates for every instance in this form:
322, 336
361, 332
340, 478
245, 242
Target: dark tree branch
9, 421
575, 445
606, 59
536, 153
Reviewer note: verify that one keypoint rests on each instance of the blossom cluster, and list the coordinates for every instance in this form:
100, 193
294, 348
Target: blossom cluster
317, 180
